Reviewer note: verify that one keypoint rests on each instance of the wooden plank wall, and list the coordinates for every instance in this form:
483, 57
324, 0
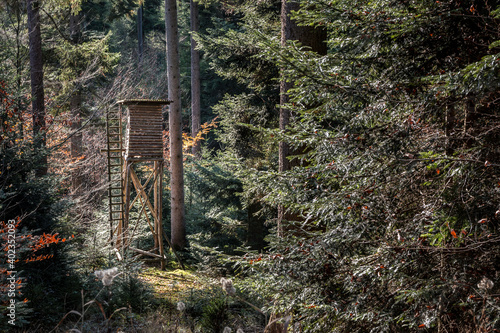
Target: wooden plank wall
144, 139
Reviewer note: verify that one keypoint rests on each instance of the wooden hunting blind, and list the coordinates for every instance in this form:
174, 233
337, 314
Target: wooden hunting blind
141, 148
144, 136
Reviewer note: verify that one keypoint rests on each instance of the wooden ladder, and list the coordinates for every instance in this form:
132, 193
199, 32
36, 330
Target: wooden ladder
114, 151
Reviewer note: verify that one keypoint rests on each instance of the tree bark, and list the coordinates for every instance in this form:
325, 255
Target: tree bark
308, 36
178, 232
37, 93
19, 64
195, 81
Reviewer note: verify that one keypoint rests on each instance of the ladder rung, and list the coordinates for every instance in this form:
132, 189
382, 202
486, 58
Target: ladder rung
115, 166
113, 150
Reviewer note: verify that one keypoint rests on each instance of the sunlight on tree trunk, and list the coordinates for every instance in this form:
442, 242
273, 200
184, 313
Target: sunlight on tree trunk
175, 127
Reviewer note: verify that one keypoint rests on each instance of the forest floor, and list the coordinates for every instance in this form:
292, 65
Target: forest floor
198, 295
179, 301
168, 288
172, 285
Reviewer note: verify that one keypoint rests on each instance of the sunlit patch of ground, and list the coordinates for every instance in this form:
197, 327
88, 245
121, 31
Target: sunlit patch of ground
171, 284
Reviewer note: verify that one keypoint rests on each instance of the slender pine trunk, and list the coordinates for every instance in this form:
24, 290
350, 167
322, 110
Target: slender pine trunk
175, 127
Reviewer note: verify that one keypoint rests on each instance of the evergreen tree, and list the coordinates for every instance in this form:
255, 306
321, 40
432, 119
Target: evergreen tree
313, 38
400, 117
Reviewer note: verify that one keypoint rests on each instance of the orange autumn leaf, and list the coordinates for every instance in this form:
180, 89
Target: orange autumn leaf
421, 325
453, 233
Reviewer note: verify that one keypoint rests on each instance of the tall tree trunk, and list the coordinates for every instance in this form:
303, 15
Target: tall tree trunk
75, 107
37, 93
195, 81
308, 36
175, 127
19, 63
140, 34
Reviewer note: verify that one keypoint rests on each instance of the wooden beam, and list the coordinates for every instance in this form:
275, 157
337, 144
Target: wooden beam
146, 253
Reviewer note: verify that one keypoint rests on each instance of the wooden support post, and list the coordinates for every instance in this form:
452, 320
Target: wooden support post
158, 205
155, 204
146, 253
123, 230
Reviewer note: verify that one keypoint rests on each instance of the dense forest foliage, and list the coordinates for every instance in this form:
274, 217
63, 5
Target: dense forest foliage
348, 178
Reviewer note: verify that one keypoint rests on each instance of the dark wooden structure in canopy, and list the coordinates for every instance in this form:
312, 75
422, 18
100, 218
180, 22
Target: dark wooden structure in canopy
140, 147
